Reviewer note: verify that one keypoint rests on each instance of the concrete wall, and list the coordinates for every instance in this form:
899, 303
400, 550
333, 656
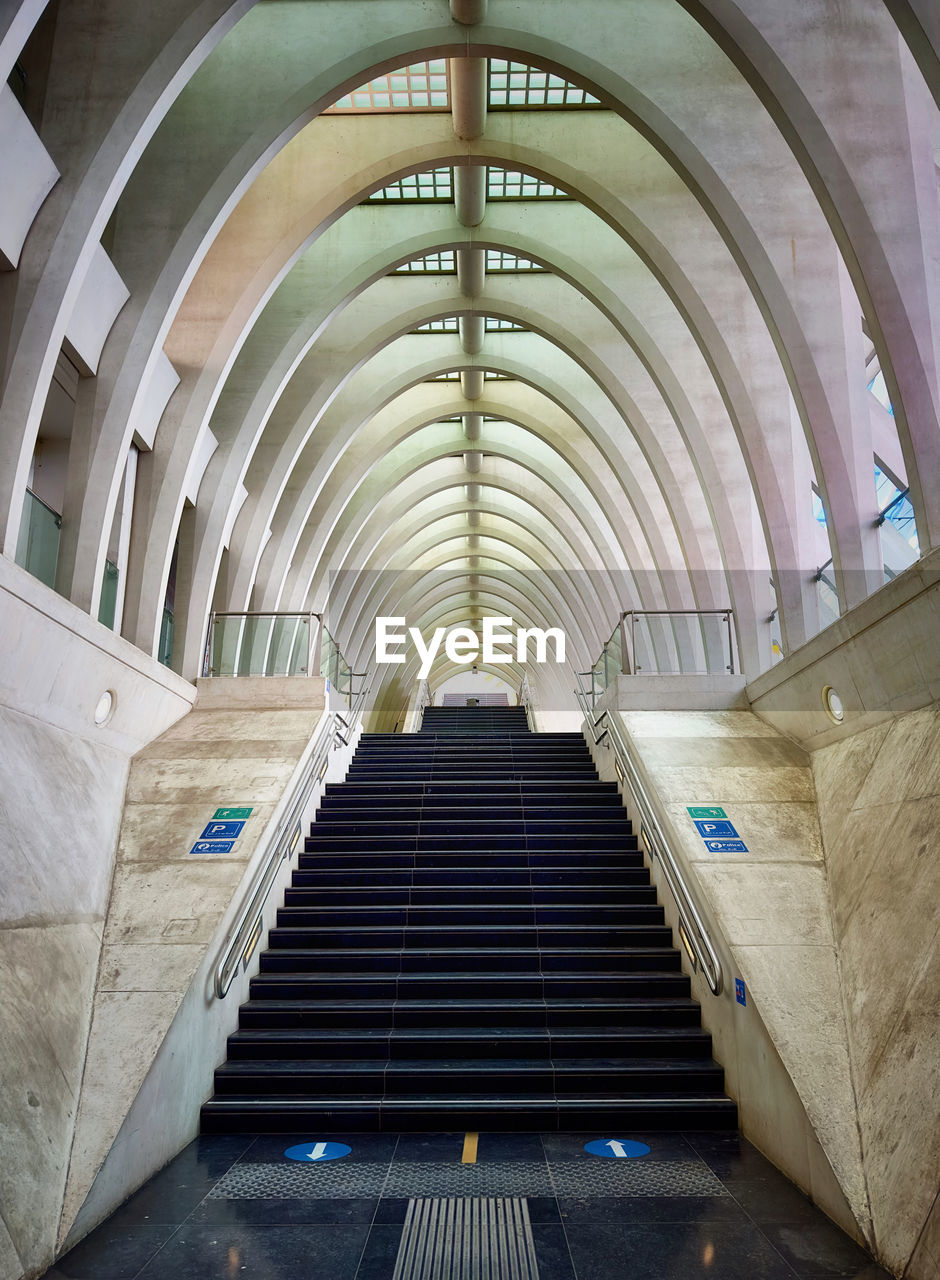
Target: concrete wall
879, 806
877, 781
784, 1052
159, 1030
62, 781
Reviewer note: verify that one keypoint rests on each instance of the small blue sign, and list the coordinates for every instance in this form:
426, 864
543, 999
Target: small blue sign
739, 993
317, 1152
726, 846
212, 846
222, 831
616, 1148
713, 829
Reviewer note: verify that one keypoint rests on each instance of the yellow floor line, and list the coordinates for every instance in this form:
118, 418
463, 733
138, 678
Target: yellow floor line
469, 1148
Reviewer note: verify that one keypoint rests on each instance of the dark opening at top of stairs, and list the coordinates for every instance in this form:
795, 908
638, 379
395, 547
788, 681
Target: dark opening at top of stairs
470, 940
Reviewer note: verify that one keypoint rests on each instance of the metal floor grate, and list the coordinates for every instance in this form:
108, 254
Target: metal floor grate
470, 1239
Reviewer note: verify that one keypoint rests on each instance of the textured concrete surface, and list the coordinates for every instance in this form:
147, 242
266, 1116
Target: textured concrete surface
166, 904
879, 804
772, 913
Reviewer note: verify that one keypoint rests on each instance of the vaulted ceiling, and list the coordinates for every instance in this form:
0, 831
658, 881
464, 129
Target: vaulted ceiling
598, 307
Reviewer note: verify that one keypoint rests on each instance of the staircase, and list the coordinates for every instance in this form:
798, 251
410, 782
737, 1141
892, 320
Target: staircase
471, 941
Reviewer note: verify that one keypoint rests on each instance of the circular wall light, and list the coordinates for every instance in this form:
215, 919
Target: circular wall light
833, 705
104, 708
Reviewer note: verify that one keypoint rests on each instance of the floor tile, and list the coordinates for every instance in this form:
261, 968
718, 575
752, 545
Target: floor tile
431, 1147
663, 1146
258, 1253
114, 1252
509, 1146
635, 1211
675, 1251
819, 1249
772, 1199
551, 1252
378, 1258
364, 1146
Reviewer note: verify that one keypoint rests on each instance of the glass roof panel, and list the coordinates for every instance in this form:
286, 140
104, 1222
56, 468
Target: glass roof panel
421, 87
497, 260
513, 84
510, 184
442, 264
433, 184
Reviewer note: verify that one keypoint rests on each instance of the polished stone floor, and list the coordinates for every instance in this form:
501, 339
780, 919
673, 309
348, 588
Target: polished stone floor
696, 1205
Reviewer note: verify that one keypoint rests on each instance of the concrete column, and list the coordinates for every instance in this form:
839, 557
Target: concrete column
468, 92
472, 333
472, 425
470, 193
473, 490
473, 520
471, 271
471, 383
473, 461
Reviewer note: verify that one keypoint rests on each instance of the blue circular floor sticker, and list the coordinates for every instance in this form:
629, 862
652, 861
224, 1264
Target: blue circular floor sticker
315, 1152
616, 1148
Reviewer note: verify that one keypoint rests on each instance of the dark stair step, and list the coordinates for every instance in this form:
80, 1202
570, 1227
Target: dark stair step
473, 986
285, 1077
668, 1011
470, 1042
515, 1112
505, 959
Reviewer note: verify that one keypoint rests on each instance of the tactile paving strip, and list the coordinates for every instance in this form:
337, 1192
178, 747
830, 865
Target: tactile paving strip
407, 1179
470, 1239
634, 1178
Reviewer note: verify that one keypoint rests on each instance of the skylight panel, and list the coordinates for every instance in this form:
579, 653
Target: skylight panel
494, 325
513, 84
439, 264
447, 325
510, 184
421, 87
432, 184
497, 260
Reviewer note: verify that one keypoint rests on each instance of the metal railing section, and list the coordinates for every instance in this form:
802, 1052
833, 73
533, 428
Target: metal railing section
696, 932
525, 700
666, 641
336, 731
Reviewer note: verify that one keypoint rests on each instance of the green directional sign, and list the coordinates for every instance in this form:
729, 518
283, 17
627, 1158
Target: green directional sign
706, 811
221, 815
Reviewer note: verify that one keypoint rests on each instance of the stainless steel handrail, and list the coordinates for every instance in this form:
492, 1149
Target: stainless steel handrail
693, 925
525, 700
336, 730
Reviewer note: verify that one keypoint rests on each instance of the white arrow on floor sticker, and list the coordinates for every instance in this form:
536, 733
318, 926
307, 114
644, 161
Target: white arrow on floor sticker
618, 1149
318, 1151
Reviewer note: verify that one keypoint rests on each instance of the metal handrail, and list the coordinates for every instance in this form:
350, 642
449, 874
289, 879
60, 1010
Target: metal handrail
336, 730
695, 929
525, 700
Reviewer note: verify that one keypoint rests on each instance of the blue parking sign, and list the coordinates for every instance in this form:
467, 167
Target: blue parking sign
222, 831
715, 829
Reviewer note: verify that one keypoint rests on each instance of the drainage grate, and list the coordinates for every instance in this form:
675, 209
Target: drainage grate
471, 1239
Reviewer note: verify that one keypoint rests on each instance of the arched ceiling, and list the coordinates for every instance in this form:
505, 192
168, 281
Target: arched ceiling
741, 224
